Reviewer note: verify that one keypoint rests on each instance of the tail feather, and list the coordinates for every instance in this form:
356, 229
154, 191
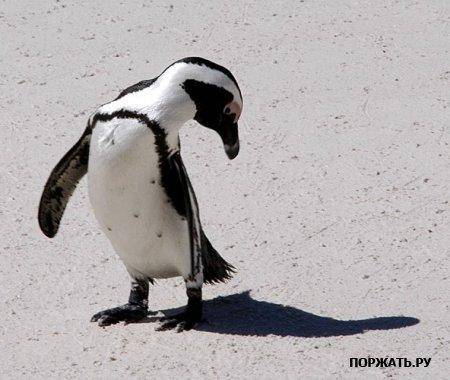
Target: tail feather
215, 268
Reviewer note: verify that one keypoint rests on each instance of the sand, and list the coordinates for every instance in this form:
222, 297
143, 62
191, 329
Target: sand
336, 212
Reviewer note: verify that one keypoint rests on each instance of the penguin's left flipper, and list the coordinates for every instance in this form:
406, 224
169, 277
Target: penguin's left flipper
61, 184
194, 281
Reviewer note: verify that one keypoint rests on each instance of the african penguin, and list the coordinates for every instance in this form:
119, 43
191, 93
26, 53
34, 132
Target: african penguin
138, 186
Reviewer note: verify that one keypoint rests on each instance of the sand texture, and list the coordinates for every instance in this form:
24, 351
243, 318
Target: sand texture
336, 212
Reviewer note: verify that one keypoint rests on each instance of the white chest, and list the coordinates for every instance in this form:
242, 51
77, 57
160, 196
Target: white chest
130, 203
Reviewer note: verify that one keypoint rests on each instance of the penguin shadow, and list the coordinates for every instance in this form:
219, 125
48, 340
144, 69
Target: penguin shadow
239, 314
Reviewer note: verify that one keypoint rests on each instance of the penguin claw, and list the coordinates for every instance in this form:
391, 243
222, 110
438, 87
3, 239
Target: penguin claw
181, 322
106, 320
128, 313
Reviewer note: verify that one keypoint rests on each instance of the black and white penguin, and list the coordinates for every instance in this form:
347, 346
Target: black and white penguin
138, 185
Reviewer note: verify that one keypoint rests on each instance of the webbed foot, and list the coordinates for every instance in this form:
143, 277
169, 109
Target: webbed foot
189, 318
180, 322
127, 313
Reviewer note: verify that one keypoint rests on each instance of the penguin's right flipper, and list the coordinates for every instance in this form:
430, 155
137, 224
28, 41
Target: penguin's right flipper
61, 184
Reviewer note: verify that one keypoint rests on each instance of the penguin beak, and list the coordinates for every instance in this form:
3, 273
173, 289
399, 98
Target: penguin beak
232, 150
230, 139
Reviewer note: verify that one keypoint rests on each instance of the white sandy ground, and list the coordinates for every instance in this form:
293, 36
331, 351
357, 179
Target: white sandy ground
336, 212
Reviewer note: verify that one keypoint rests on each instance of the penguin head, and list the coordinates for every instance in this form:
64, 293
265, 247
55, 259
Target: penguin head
217, 98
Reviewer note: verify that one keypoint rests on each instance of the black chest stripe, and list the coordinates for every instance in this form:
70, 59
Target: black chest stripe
169, 178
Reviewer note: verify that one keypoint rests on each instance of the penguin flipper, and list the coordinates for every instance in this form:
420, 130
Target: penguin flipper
192, 214
215, 268
61, 184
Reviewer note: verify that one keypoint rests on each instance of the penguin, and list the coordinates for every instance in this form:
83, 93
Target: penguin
138, 186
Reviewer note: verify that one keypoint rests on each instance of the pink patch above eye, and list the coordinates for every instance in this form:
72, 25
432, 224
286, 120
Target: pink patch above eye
235, 109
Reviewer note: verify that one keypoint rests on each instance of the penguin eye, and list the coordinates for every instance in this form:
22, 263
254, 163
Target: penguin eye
227, 110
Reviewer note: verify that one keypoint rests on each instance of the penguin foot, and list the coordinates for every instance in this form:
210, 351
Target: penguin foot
127, 313
180, 322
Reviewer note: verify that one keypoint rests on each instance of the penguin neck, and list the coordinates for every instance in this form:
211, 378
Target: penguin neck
165, 102
171, 109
